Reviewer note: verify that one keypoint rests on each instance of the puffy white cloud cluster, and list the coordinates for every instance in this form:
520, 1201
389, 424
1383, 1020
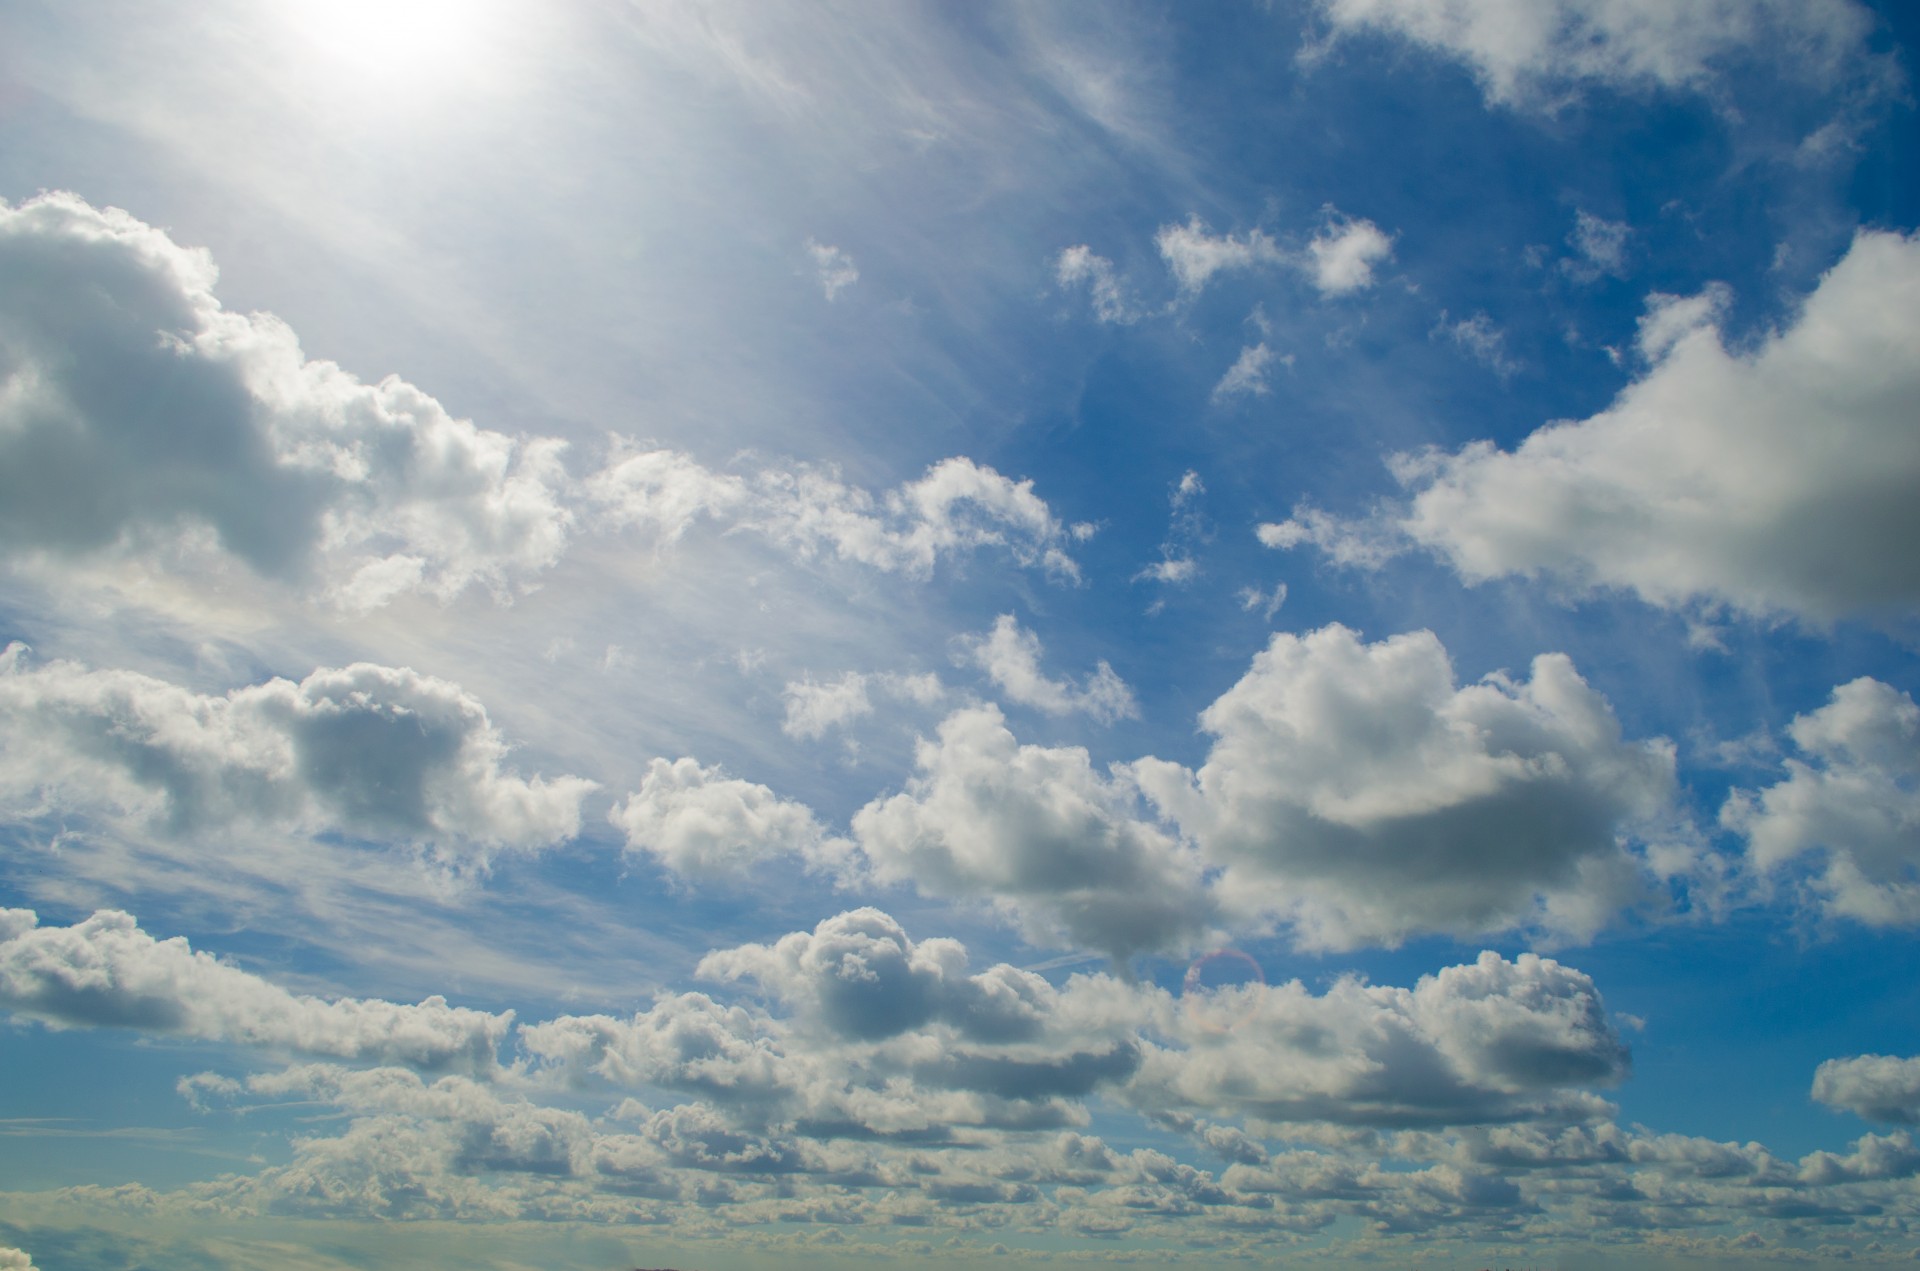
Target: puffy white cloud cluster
1010, 656
1775, 482
371, 751
137, 412
105, 972
1342, 255
1338, 259
1040, 835
956, 506
1485, 1041
15, 1260
709, 827
137, 415
1194, 255
1529, 52
1877, 1087
1356, 791
1854, 800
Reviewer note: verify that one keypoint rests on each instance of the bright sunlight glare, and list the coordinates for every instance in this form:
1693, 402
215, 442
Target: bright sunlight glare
407, 46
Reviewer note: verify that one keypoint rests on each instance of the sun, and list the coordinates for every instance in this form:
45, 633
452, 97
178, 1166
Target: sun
396, 46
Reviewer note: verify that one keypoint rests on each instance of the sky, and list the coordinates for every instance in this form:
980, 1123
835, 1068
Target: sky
731, 636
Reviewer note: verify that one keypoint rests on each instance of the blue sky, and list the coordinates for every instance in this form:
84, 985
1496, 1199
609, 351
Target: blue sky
653, 634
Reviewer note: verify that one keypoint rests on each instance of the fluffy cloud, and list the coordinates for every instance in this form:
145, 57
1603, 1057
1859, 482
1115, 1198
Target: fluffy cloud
1341, 257
106, 972
1355, 791
1040, 835
1878, 1087
1855, 798
1486, 1041
373, 751
1525, 51
136, 411
1776, 481
1194, 255
1011, 658
15, 1260
707, 826
860, 976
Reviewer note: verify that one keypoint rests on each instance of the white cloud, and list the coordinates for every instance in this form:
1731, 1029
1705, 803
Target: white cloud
1353, 790
834, 267
957, 506
1078, 265
1011, 658
138, 413
105, 972
1195, 255
1854, 799
860, 976
1481, 338
1342, 255
1877, 1087
15, 1260
709, 827
1248, 374
1776, 482
1602, 247
1038, 834
813, 709
379, 752
1527, 52
662, 492
1492, 1040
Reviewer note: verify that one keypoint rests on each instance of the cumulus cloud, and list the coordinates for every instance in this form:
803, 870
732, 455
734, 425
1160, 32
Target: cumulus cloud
835, 268
105, 972
1775, 482
1078, 266
709, 827
15, 1260
1854, 800
1248, 374
1011, 658
860, 976
1341, 257
1194, 255
1877, 1087
1487, 1041
379, 752
137, 412
1038, 834
1531, 53
1354, 790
